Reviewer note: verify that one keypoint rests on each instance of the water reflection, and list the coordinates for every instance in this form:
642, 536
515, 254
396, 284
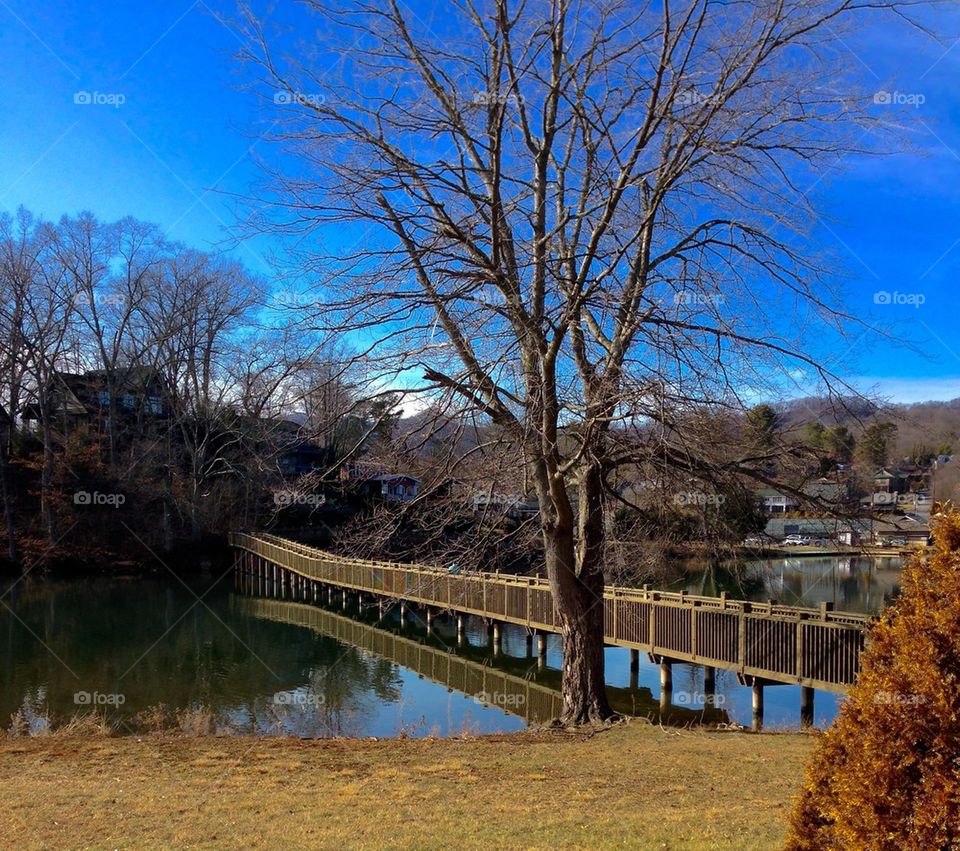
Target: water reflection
273, 667
851, 583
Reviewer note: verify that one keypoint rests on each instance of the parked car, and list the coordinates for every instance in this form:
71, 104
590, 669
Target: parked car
796, 541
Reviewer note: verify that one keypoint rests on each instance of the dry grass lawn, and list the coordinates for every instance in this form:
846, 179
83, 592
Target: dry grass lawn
629, 787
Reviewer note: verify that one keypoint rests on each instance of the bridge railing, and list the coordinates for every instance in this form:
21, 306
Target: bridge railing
813, 647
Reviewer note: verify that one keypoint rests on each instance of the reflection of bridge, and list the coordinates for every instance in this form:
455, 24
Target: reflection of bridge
764, 643
514, 693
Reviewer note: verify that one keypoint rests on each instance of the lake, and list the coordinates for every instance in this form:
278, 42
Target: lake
264, 667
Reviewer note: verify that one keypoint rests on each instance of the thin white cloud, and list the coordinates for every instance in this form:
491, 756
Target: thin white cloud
907, 390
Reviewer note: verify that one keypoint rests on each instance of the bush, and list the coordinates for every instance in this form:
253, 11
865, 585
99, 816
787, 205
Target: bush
887, 772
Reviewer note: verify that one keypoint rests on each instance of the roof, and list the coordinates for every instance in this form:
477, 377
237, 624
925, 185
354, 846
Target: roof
765, 492
884, 473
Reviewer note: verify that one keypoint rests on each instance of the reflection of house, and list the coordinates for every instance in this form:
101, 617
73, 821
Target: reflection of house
86, 399
395, 486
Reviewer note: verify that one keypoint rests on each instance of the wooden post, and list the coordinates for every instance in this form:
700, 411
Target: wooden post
460, 626
666, 675
529, 645
709, 685
429, 619
634, 661
666, 685
403, 614
806, 707
346, 600
757, 704
496, 636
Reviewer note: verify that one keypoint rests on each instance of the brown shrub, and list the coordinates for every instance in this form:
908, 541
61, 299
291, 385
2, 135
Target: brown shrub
886, 774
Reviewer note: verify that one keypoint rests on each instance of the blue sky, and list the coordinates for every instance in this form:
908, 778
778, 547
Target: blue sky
186, 134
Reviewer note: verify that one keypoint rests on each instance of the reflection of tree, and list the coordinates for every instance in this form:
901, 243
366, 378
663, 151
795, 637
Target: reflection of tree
101, 628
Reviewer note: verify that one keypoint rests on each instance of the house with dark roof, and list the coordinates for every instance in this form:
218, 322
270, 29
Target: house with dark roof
90, 398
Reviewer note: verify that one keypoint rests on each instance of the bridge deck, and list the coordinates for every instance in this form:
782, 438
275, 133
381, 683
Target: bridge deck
770, 642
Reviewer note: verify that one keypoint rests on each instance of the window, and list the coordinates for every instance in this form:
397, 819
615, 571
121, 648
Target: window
128, 401
104, 398
154, 405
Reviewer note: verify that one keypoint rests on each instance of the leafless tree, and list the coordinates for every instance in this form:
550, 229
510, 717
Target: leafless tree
580, 217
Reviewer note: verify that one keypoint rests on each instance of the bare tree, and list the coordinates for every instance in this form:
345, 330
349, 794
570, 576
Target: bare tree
582, 218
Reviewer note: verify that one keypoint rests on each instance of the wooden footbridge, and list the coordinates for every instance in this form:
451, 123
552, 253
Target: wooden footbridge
764, 643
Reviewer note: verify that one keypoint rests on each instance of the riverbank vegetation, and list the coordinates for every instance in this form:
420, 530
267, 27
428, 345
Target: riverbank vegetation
632, 786
885, 775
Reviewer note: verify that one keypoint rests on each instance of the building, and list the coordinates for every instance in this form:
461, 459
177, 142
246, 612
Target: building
91, 398
774, 502
393, 486
889, 481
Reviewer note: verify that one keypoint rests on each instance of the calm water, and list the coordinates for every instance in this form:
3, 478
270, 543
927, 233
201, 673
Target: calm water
272, 667
852, 584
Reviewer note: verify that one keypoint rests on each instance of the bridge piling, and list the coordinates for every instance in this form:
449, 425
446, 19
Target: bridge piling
806, 707
709, 685
666, 684
757, 704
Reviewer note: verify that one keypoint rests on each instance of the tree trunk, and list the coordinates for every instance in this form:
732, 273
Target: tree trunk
5, 493
579, 604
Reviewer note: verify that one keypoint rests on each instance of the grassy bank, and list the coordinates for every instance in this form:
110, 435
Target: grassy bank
629, 787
